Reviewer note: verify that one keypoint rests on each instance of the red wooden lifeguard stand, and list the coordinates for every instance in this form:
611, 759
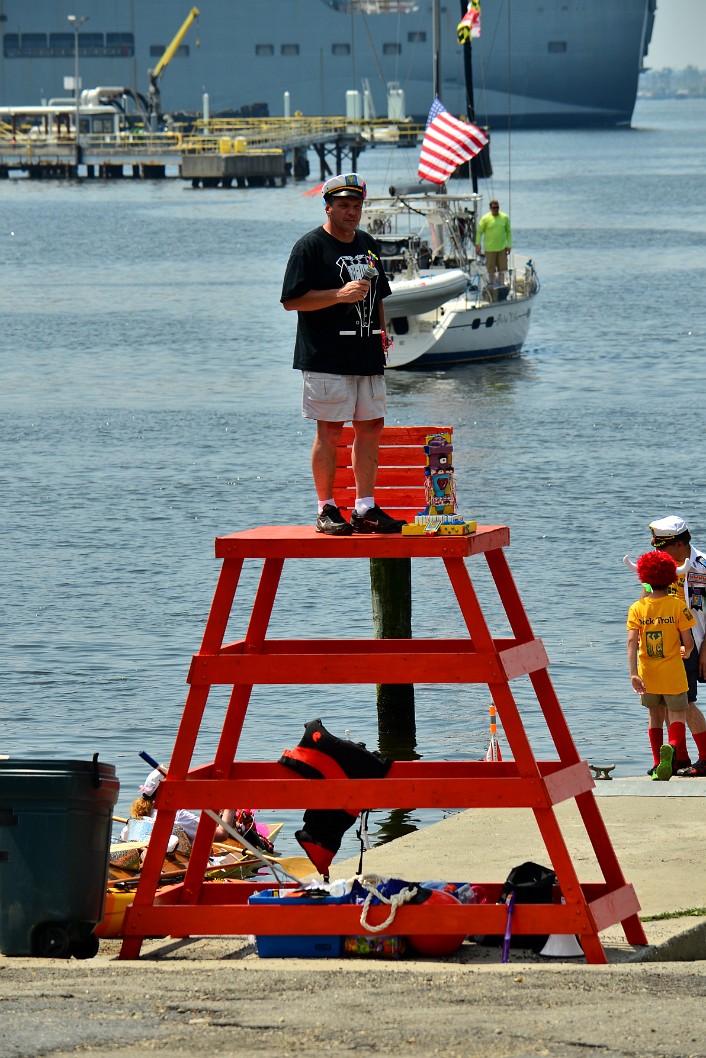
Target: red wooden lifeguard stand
199, 908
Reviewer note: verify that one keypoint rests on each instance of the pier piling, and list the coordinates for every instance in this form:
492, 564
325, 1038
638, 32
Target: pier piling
391, 589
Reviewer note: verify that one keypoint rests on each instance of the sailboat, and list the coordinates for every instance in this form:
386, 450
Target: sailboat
445, 308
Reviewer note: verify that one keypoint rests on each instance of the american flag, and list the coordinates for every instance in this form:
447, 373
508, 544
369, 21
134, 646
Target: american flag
447, 143
469, 26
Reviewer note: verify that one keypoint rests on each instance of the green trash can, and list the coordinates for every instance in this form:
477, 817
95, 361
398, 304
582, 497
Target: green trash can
55, 825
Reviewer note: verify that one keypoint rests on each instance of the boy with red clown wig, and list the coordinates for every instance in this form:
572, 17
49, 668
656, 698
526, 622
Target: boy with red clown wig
659, 637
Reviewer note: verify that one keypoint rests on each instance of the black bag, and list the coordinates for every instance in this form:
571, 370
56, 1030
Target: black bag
532, 884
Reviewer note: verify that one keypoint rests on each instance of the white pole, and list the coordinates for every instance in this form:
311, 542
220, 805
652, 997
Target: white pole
76, 22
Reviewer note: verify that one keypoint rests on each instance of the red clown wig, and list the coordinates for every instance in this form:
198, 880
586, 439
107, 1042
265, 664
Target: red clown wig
657, 569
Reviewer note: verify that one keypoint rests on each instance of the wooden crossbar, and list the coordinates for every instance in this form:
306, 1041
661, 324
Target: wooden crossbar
400, 479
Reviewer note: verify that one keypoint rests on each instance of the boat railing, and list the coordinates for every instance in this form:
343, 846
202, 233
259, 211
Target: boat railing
517, 283
437, 233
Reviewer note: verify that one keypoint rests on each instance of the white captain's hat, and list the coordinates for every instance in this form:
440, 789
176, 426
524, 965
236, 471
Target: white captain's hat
344, 184
149, 787
664, 529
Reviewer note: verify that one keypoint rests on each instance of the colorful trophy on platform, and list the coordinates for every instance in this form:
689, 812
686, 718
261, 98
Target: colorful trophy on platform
440, 516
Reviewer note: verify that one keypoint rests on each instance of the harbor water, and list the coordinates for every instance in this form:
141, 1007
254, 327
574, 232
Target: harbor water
148, 405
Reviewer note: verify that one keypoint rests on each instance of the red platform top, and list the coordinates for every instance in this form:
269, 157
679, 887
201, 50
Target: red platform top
302, 541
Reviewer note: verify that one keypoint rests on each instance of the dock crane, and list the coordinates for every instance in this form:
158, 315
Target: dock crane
153, 97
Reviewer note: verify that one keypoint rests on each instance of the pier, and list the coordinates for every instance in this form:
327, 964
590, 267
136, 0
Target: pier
247, 152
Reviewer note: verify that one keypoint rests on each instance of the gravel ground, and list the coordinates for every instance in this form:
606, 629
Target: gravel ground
214, 996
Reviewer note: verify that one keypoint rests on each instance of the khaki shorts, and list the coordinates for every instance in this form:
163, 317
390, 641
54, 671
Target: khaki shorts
496, 260
676, 703
343, 398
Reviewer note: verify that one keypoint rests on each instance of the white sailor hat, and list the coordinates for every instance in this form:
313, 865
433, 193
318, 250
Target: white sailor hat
667, 528
344, 184
149, 786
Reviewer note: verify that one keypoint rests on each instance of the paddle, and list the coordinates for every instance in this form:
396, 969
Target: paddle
269, 861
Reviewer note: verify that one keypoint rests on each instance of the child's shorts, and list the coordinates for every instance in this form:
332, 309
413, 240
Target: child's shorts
676, 703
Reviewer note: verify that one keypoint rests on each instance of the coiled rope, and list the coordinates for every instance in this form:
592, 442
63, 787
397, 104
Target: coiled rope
370, 882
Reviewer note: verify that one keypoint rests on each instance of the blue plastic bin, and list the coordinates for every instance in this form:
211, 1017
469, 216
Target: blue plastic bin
294, 946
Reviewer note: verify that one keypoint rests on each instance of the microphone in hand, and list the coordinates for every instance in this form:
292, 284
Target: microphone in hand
369, 273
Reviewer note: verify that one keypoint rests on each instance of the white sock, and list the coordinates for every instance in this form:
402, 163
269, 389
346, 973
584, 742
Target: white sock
364, 503
322, 504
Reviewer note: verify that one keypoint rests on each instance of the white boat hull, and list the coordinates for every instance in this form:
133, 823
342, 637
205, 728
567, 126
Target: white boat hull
459, 333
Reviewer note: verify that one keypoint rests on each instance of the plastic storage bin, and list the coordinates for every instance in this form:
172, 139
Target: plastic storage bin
55, 826
116, 905
306, 946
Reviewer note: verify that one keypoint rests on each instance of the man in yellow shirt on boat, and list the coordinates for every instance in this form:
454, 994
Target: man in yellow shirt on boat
494, 230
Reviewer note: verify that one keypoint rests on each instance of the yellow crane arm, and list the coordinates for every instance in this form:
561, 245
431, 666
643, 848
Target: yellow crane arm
170, 51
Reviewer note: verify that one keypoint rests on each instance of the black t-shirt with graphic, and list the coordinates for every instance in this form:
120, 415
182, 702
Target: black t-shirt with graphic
342, 339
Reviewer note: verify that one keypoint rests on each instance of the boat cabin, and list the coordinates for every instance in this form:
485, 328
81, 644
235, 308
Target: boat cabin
400, 252
57, 119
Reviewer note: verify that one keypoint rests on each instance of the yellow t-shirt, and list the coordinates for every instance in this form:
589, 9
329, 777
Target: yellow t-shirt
660, 622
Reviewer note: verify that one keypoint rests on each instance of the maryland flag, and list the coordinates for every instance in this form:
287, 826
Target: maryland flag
469, 26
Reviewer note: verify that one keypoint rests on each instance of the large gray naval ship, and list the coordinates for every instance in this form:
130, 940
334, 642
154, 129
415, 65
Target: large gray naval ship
537, 63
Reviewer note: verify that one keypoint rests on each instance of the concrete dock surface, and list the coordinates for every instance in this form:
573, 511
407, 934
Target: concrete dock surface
198, 996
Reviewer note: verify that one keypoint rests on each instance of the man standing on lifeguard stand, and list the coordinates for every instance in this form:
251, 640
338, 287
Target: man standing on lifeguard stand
335, 283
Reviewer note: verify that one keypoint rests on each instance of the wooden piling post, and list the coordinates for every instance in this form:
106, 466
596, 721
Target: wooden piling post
391, 589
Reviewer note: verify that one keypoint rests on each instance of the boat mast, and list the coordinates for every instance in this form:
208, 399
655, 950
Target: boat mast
470, 102
480, 163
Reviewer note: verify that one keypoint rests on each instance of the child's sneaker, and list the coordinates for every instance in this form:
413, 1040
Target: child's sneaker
696, 771
663, 771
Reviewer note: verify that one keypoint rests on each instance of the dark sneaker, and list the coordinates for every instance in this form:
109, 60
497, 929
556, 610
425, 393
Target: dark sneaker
651, 770
663, 771
332, 522
376, 521
696, 771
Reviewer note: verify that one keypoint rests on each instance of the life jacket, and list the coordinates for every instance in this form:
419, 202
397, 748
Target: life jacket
321, 755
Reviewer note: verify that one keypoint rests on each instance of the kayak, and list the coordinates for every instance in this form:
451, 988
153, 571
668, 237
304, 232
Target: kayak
118, 897
229, 859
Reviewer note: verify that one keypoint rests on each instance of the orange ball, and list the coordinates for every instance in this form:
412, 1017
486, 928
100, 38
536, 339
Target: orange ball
438, 943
